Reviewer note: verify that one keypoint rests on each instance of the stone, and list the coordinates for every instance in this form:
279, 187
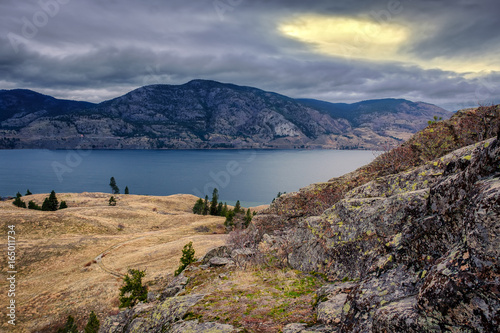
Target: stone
220, 252
217, 262
193, 326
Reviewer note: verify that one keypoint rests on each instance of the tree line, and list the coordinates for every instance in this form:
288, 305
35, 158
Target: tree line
49, 204
234, 217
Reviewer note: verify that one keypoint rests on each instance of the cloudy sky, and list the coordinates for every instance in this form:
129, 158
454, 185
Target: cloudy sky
443, 52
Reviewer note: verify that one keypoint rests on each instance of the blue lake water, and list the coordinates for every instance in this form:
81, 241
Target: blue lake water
252, 176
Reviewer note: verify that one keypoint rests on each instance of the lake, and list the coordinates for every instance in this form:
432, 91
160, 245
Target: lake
252, 176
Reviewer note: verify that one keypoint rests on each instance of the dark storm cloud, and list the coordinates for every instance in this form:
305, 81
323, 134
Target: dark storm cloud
96, 50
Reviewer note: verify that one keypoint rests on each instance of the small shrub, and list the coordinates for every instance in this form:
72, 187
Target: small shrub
202, 228
63, 205
18, 202
93, 324
112, 201
33, 205
70, 326
187, 257
133, 291
198, 207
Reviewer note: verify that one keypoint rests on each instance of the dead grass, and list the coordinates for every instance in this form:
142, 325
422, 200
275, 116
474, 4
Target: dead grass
56, 251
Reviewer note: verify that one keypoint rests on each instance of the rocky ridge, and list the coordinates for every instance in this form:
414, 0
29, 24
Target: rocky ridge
203, 114
405, 246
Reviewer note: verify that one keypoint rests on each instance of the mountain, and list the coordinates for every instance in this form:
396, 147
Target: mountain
398, 118
205, 114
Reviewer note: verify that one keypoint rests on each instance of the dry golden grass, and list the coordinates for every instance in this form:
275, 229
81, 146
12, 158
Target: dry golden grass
57, 274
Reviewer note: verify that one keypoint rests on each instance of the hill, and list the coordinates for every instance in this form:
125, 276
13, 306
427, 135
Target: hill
408, 243
205, 114
70, 261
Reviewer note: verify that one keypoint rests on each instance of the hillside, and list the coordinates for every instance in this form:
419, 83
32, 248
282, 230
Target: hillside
70, 261
408, 243
205, 114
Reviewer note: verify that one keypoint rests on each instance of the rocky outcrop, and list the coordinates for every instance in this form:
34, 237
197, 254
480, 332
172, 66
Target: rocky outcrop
166, 316
203, 114
409, 243
420, 248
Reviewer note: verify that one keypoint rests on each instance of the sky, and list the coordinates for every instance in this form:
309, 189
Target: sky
441, 52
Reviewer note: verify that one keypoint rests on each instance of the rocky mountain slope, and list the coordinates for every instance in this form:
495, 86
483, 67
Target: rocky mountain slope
408, 243
204, 114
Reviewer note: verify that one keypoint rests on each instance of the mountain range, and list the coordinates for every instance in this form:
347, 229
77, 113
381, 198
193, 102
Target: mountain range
205, 114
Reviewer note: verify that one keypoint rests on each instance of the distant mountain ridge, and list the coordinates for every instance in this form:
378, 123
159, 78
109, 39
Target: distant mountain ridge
205, 114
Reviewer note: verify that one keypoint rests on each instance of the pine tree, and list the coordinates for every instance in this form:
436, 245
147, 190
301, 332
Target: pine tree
70, 326
28, 192
63, 205
45, 205
114, 187
112, 201
213, 203
206, 208
224, 210
248, 218
237, 207
126, 190
198, 207
133, 291
18, 202
229, 218
220, 207
93, 324
53, 203
33, 205
187, 257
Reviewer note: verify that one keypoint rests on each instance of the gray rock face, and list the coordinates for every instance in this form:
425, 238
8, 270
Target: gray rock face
155, 317
423, 246
194, 327
217, 262
221, 252
175, 286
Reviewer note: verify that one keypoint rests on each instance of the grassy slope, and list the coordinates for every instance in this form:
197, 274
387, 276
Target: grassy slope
55, 251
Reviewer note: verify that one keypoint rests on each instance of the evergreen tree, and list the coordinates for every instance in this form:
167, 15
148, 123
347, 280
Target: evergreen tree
45, 205
198, 207
224, 210
18, 202
93, 324
229, 218
112, 201
33, 205
220, 207
206, 208
187, 257
70, 326
237, 207
213, 203
63, 205
133, 291
126, 190
51, 203
28, 192
248, 218
114, 187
